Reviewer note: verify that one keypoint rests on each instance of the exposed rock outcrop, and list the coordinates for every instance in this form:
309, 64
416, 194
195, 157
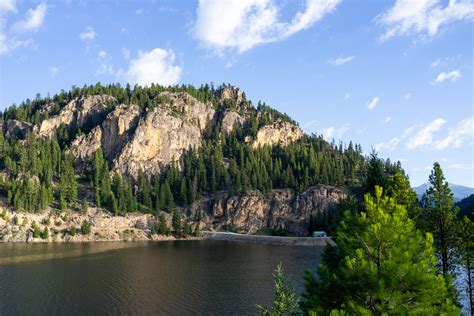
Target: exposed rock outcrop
244, 213
16, 129
164, 134
79, 112
231, 120
280, 132
111, 135
283, 209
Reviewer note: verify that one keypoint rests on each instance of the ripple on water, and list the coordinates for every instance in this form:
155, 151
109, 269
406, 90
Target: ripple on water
187, 277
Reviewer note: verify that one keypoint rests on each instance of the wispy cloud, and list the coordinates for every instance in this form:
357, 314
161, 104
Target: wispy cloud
102, 54
7, 6
443, 76
422, 17
311, 123
53, 71
244, 24
435, 63
88, 35
340, 60
334, 132
457, 136
373, 103
125, 53
424, 134
390, 145
387, 119
33, 21
430, 136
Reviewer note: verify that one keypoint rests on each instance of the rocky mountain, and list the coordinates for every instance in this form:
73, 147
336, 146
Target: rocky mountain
207, 153
459, 191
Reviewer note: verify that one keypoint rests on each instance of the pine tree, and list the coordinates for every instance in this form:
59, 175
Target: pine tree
183, 193
176, 221
166, 197
286, 300
382, 265
439, 217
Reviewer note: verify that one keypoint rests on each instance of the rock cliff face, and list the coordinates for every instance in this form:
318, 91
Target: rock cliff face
163, 135
283, 209
77, 113
133, 140
245, 213
16, 129
282, 133
111, 135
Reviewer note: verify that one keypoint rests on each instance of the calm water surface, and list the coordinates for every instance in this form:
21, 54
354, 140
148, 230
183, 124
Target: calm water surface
166, 278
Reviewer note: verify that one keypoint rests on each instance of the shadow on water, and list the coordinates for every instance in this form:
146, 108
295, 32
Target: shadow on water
176, 277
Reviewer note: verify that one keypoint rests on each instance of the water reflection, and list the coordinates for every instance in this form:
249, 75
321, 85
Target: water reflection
197, 277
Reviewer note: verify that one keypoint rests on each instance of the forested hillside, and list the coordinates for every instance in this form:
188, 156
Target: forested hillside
56, 151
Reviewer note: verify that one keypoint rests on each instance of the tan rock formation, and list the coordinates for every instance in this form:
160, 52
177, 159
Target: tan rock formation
280, 132
250, 212
230, 121
164, 134
86, 109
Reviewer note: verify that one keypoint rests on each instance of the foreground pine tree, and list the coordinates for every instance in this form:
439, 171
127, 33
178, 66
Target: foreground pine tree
286, 300
382, 266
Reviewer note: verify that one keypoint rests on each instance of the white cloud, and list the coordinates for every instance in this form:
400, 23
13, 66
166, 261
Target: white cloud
442, 76
139, 11
243, 24
390, 145
373, 103
347, 96
408, 96
8, 45
422, 17
157, 66
53, 71
102, 54
33, 21
340, 60
125, 53
458, 135
387, 119
88, 35
332, 132
7, 6
424, 135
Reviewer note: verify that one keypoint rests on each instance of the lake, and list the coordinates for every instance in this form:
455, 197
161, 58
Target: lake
175, 277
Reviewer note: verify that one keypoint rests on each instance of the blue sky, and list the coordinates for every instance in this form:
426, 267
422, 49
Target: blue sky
395, 75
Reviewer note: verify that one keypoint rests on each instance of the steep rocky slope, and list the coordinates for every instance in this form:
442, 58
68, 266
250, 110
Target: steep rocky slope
243, 213
146, 136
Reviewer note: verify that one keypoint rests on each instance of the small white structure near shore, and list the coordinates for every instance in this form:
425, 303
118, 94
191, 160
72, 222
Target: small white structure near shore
319, 233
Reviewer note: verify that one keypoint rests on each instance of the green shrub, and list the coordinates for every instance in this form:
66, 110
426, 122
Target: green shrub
86, 228
45, 233
36, 230
72, 231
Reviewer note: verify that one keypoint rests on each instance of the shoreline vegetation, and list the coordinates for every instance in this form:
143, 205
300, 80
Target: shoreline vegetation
99, 226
